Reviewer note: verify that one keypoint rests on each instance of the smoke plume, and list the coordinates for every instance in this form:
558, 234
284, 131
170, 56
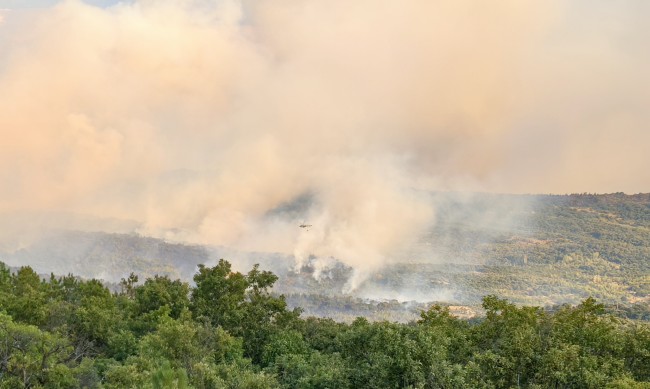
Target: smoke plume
233, 122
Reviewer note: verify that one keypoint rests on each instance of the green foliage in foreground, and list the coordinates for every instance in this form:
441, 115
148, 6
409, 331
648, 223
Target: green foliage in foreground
228, 331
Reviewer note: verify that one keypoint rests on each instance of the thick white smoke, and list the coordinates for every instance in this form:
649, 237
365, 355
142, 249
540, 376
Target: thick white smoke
202, 119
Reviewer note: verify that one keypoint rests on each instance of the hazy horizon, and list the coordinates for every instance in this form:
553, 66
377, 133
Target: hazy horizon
231, 122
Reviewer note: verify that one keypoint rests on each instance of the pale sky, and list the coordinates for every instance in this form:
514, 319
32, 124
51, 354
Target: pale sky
21, 4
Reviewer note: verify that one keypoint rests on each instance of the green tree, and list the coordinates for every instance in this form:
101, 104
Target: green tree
284, 343
219, 294
314, 370
185, 343
241, 304
511, 342
27, 304
31, 357
96, 317
160, 291
166, 377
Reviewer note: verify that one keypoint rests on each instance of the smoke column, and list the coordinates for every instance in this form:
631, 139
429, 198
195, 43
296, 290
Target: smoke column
232, 122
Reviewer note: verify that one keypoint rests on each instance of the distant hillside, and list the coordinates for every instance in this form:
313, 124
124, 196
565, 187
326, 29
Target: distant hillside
545, 249
108, 256
532, 249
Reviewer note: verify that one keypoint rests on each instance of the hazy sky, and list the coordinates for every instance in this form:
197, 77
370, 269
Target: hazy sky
23, 4
201, 118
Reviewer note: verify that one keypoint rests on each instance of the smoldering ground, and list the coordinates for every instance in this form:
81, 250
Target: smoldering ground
200, 119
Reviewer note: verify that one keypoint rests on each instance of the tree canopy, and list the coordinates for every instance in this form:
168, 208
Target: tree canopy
229, 330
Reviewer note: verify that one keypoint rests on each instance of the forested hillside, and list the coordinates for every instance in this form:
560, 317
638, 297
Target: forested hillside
530, 249
108, 256
229, 331
536, 250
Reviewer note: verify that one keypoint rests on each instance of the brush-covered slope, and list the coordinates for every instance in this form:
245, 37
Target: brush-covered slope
542, 249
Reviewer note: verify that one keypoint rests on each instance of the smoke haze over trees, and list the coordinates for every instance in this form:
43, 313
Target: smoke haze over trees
375, 155
199, 120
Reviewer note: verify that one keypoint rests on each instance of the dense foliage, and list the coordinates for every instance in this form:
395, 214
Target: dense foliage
229, 331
